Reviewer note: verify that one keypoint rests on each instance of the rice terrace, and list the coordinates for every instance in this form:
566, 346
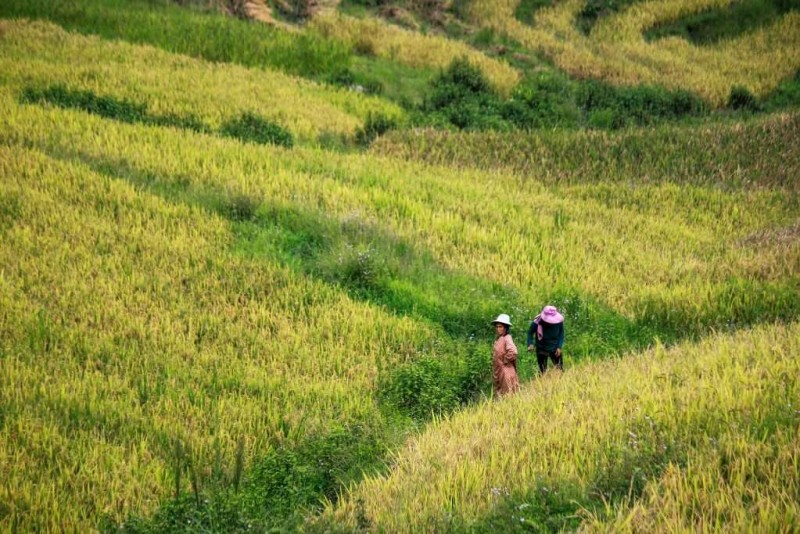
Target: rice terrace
299, 266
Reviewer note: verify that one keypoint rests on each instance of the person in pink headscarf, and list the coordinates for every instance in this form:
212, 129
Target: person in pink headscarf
547, 332
504, 358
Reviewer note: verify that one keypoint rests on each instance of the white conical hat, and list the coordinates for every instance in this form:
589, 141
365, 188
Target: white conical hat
503, 318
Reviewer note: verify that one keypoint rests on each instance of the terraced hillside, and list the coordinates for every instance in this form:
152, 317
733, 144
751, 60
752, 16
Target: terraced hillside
616, 49
220, 310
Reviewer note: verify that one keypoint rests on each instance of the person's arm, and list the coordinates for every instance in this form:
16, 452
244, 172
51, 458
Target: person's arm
531, 328
560, 339
511, 350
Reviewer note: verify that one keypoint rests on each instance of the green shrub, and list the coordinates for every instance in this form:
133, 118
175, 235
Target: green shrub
253, 128
375, 125
462, 97
422, 388
104, 106
614, 107
543, 102
241, 207
742, 99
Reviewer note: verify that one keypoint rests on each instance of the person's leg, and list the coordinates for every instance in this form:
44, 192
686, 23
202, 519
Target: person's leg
558, 361
541, 358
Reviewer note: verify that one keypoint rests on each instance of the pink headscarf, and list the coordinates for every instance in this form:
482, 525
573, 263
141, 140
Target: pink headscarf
549, 315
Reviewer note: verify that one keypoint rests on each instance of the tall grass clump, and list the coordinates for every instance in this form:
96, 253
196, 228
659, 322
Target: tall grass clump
375, 126
742, 99
277, 492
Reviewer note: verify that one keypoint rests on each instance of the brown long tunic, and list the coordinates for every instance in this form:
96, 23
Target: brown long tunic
504, 365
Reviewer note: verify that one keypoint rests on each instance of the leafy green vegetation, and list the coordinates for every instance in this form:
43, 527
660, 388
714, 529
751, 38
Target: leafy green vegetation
276, 492
250, 127
461, 97
246, 127
108, 107
786, 95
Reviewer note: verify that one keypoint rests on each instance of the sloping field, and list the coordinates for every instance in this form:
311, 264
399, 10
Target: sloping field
715, 155
616, 50
698, 437
38, 54
126, 327
177, 306
373, 36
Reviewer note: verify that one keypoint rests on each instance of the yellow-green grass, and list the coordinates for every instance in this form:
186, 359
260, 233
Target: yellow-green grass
129, 320
617, 52
691, 241
760, 153
40, 54
374, 36
696, 437
126, 325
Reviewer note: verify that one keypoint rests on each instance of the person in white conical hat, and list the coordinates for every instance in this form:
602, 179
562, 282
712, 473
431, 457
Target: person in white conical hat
504, 357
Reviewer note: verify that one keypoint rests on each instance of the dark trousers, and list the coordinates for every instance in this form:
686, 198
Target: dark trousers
541, 358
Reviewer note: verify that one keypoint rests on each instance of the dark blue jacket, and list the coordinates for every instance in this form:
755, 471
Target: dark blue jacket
552, 336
